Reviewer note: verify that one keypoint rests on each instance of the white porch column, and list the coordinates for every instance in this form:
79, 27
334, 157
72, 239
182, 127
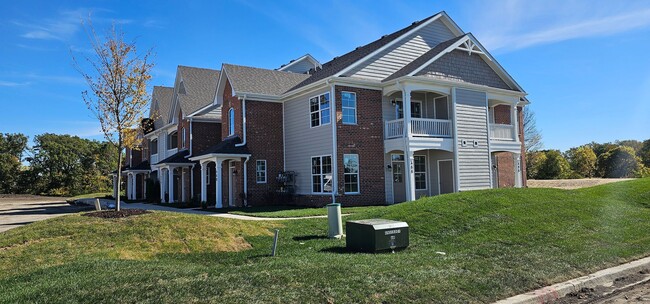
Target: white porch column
134, 186
514, 118
183, 184
161, 180
219, 183
204, 182
406, 104
410, 174
170, 179
128, 186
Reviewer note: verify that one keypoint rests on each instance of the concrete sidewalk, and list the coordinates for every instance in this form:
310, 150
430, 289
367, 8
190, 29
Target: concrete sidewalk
18, 212
105, 202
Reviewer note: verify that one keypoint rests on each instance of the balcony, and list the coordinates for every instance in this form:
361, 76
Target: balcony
502, 132
422, 127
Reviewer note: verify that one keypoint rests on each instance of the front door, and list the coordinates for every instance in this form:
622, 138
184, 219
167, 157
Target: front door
399, 188
446, 176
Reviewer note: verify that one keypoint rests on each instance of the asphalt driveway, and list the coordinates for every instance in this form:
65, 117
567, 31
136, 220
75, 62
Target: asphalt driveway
18, 210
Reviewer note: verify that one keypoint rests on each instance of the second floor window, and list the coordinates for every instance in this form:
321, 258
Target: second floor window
183, 138
231, 121
319, 110
416, 109
172, 140
153, 146
349, 105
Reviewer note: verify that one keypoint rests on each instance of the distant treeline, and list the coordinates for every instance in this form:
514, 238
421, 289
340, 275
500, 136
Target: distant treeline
624, 158
61, 165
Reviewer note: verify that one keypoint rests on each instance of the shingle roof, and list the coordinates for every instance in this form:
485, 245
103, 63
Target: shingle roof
140, 167
413, 65
227, 146
177, 158
339, 63
261, 81
163, 97
200, 87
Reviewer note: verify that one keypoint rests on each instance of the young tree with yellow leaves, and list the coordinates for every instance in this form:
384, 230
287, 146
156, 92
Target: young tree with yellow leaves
117, 79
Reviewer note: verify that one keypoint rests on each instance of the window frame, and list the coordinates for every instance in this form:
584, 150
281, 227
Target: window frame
151, 146
322, 175
424, 173
171, 142
358, 174
183, 138
320, 110
257, 171
354, 108
231, 121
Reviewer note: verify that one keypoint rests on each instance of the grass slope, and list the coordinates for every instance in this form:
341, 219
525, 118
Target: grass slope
497, 243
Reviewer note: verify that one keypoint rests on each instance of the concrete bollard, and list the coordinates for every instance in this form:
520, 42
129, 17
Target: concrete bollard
335, 223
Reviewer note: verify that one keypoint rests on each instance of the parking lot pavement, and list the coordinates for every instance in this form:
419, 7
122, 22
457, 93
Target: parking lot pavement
19, 210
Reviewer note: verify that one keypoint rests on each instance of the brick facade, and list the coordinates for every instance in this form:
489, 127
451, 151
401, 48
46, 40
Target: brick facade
504, 161
502, 114
365, 139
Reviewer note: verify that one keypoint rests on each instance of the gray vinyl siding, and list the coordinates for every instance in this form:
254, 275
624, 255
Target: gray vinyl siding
471, 120
388, 179
302, 142
400, 54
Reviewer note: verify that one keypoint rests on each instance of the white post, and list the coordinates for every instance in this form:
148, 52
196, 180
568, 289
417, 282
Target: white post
128, 185
170, 180
406, 104
134, 186
161, 180
183, 184
518, 171
219, 184
410, 174
514, 120
204, 182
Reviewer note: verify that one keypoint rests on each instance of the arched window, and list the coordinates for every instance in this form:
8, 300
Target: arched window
231, 121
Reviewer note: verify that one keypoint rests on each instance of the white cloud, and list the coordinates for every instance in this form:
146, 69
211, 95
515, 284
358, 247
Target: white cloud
12, 84
514, 24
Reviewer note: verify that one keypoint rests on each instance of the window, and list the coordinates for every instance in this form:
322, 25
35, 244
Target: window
420, 166
349, 105
183, 138
319, 109
416, 109
231, 121
397, 164
260, 171
351, 175
172, 142
321, 174
153, 146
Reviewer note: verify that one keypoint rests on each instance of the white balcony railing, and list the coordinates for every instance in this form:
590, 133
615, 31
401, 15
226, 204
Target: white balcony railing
502, 132
419, 127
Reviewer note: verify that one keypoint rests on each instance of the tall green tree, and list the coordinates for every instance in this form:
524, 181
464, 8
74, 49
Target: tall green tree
12, 147
644, 153
555, 166
117, 79
582, 161
619, 162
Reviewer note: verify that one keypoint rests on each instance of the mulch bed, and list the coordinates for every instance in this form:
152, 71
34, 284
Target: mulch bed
117, 214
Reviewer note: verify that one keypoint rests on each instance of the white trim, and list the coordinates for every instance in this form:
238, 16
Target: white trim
426, 178
265, 171
453, 180
356, 107
388, 45
487, 123
455, 122
321, 174
358, 174
320, 111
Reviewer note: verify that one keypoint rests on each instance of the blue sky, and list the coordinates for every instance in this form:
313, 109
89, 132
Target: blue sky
584, 63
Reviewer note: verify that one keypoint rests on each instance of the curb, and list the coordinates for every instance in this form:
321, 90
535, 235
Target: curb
602, 277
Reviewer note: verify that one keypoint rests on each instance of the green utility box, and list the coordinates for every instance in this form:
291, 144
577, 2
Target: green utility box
376, 235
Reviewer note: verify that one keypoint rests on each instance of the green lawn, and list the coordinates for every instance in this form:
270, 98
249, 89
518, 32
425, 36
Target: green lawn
497, 243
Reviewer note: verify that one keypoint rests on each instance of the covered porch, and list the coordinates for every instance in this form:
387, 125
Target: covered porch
175, 177
417, 112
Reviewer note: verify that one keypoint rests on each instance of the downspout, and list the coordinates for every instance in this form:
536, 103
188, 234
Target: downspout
246, 182
243, 114
333, 116
191, 140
